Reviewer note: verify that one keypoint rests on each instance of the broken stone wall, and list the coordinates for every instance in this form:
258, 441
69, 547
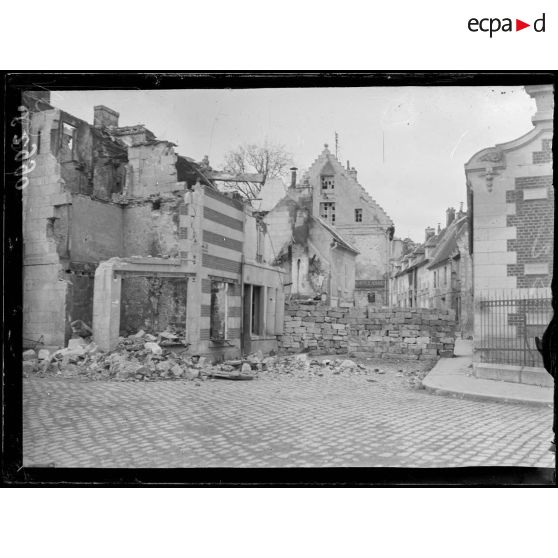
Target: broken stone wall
151, 228
381, 332
91, 162
62, 225
96, 230
45, 201
152, 169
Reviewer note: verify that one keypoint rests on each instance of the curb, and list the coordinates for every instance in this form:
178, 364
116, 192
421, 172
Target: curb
485, 397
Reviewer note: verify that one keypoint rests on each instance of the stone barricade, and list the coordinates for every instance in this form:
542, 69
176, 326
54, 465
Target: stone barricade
407, 333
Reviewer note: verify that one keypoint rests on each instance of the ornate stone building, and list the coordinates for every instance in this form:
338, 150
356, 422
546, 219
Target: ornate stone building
511, 197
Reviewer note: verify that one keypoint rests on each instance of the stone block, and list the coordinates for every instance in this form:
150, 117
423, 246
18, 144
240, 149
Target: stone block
29, 355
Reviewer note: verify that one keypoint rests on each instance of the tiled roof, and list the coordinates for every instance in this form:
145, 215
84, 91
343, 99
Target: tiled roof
448, 242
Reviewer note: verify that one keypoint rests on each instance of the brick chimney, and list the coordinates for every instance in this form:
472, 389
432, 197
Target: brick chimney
429, 232
352, 172
105, 117
450, 216
293, 177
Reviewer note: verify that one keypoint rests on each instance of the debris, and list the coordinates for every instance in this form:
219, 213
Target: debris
91, 349
177, 371
75, 343
81, 329
154, 348
28, 367
347, 364
192, 373
30, 354
224, 376
143, 371
234, 362
246, 368
44, 354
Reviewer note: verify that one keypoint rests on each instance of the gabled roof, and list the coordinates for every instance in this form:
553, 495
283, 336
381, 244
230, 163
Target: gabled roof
333, 166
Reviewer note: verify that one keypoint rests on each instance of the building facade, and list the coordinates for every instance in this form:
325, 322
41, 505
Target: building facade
338, 199
437, 273
318, 261
512, 199
124, 234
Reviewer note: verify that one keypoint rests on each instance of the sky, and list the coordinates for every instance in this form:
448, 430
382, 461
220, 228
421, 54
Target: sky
408, 144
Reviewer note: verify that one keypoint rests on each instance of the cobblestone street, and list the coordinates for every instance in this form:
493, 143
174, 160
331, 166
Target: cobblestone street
274, 421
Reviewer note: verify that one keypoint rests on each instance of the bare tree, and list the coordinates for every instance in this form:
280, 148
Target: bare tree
268, 161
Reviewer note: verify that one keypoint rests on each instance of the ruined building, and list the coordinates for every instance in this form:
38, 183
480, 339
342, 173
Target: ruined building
318, 261
125, 234
338, 199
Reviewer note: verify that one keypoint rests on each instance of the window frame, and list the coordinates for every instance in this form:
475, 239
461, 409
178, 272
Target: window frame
225, 319
327, 182
327, 212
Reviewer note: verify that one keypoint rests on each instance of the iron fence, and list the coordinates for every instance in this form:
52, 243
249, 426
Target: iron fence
509, 321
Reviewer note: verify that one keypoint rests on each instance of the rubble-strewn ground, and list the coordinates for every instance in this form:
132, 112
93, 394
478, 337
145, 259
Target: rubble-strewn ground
294, 412
141, 358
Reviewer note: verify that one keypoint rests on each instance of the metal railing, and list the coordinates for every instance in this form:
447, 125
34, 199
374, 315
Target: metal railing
509, 320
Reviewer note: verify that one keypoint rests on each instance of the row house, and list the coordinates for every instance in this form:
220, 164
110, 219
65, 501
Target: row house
437, 273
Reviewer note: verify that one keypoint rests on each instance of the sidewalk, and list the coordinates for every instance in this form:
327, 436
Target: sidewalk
454, 376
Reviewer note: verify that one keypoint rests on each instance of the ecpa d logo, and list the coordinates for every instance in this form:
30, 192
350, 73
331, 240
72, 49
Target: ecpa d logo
494, 24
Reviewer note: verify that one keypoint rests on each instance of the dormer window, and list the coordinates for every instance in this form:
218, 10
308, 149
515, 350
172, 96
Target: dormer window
328, 182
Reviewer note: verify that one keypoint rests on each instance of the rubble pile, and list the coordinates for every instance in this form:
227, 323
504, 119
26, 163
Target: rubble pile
145, 357
141, 356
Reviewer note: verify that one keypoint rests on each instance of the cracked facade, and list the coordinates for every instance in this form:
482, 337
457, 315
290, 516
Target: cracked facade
123, 233
334, 240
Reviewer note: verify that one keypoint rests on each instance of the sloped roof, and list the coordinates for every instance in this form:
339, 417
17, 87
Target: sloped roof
419, 263
335, 234
294, 205
448, 242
